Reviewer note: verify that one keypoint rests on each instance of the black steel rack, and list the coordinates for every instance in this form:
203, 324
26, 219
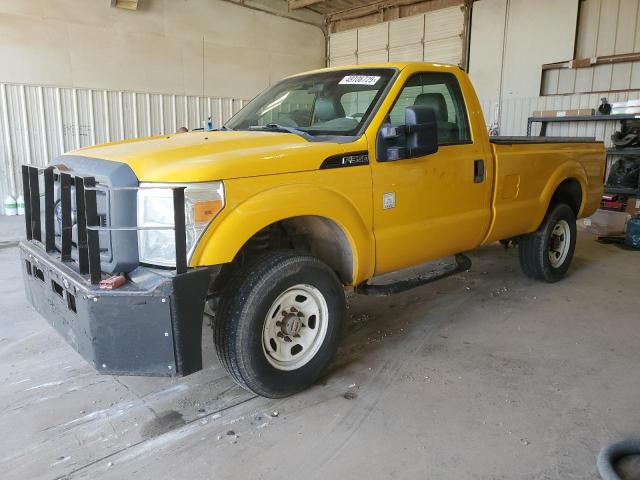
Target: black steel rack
624, 152
575, 118
87, 220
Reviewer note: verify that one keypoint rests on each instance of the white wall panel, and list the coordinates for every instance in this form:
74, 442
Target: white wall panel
374, 56
38, 123
537, 33
375, 37
406, 53
161, 47
342, 61
343, 44
446, 50
444, 23
433, 37
406, 31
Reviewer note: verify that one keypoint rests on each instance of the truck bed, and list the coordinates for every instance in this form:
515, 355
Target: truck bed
533, 140
527, 172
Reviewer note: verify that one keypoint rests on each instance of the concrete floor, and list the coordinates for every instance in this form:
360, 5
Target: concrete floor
487, 375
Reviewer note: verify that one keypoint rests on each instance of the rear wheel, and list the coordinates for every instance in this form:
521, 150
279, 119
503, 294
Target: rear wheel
279, 323
546, 254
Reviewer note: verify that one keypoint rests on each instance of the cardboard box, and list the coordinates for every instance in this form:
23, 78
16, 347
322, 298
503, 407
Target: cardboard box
606, 223
633, 206
564, 113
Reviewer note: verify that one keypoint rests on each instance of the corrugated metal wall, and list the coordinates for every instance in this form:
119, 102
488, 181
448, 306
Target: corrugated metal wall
38, 123
435, 36
516, 111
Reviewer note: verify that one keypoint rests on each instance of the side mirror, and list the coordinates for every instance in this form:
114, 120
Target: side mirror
416, 138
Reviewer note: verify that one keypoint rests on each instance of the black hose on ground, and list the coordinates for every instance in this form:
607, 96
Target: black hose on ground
610, 455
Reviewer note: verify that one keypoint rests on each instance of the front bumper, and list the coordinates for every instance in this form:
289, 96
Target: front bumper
150, 326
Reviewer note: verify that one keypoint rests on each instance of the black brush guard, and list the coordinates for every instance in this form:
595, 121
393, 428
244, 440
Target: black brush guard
150, 326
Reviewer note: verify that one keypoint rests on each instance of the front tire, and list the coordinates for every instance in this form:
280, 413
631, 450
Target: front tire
279, 323
546, 254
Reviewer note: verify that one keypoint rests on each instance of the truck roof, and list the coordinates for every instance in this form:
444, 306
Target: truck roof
396, 65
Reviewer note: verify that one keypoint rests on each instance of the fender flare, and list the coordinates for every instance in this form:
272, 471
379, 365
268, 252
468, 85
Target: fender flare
228, 233
569, 170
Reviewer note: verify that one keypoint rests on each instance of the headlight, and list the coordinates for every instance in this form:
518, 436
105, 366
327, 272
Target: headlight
202, 202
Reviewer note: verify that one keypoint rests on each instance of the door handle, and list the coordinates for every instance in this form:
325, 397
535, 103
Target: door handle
478, 171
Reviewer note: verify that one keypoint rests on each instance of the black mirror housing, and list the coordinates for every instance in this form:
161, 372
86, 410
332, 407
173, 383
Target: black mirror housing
416, 138
421, 130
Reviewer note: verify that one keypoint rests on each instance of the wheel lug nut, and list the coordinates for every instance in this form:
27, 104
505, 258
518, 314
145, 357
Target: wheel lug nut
294, 309
278, 323
287, 339
280, 334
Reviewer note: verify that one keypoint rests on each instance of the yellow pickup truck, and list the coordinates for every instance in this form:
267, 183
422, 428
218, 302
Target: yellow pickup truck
328, 179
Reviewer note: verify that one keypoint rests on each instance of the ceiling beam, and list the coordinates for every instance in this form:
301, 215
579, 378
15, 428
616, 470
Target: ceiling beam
296, 4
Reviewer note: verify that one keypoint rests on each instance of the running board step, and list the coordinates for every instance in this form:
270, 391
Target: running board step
462, 263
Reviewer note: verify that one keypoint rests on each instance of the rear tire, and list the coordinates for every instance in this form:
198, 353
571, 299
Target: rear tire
279, 324
546, 254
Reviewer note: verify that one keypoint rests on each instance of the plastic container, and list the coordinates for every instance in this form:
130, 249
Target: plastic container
20, 203
632, 238
10, 206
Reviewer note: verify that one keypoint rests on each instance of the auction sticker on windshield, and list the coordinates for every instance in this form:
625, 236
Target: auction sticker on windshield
359, 80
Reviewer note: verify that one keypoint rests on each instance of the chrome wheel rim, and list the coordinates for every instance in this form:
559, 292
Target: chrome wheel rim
559, 242
295, 327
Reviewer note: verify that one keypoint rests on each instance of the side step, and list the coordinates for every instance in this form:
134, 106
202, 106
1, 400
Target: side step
461, 264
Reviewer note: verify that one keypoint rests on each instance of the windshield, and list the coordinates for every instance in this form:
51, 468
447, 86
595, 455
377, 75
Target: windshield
327, 103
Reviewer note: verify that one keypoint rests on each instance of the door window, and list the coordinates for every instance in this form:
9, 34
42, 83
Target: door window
441, 92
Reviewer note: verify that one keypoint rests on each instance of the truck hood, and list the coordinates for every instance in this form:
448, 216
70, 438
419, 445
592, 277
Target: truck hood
214, 155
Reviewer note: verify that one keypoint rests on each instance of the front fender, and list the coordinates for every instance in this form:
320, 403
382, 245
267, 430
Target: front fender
227, 234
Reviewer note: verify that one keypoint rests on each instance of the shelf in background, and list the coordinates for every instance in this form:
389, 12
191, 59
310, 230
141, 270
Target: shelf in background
621, 191
623, 151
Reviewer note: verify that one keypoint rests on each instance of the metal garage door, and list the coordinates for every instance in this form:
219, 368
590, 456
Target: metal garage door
435, 36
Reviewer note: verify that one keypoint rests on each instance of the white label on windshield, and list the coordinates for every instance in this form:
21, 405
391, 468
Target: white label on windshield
359, 80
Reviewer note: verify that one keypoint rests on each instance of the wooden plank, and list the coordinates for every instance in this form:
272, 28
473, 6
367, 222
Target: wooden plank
296, 4
126, 4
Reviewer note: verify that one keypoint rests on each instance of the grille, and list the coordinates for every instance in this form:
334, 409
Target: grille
87, 232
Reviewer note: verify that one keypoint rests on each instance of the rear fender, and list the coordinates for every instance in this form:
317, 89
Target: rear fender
568, 170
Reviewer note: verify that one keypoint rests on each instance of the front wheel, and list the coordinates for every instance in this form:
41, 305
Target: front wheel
279, 324
546, 254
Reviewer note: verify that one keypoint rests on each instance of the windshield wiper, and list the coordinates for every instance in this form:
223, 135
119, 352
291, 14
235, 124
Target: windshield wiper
276, 127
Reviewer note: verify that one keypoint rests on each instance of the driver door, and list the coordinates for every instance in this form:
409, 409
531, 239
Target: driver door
435, 205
